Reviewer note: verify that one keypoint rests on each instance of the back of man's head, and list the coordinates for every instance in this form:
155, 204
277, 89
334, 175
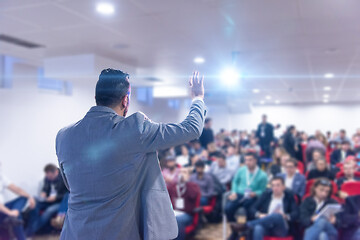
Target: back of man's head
112, 86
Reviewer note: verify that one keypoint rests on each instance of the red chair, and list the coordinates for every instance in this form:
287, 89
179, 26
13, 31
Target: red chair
278, 238
192, 227
300, 167
341, 174
309, 183
351, 188
209, 208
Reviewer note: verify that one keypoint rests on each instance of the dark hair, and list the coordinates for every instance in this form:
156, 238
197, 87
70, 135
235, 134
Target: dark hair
219, 154
112, 86
252, 154
293, 161
323, 182
281, 179
50, 168
345, 142
207, 120
200, 164
342, 131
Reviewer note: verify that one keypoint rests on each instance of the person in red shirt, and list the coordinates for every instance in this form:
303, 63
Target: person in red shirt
183, 195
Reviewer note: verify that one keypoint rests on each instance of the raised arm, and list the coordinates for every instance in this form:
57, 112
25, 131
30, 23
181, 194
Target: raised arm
155, 136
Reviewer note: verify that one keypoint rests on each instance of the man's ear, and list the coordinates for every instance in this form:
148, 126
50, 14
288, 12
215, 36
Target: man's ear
124, 102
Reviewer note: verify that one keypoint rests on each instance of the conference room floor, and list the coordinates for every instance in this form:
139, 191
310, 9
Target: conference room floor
208, 232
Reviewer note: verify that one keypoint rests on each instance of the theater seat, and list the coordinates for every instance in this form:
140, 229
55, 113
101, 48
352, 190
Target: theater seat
309, 184
300, 167
351, 188
192, 227
278, 238
209, 208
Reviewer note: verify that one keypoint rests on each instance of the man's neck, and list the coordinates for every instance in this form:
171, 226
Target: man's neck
349, 177
252, 170
280, 195
291, 175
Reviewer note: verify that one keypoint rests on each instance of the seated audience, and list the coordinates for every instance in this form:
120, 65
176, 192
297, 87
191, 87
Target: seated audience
183, 195
204, 181
197, 149
171, 171
339, 155
316, 226
11, 212
273, 212
249, 183
314, 145
293, 180
207, 135
349, 219
252, 147
349, 176
232, 159
316, 155
184, 158
219, 169
58, 221
51, 196
321, 170
342, 137
276, 169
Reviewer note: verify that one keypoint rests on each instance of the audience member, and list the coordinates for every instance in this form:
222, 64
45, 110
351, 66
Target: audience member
321, 170
341, 154
349, 219
265, 134
171, 171
204, 181
184, 158
219, 169
293, 180
349, 176
232, 159
249, 183
207, 135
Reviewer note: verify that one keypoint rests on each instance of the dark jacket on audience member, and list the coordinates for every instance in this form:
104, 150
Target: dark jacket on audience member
268, 133
298, 184
190, 195
263, 203
206, 184
349, 219
307, 210
314, 173
340, 181
59, 187
336, 156
206, 137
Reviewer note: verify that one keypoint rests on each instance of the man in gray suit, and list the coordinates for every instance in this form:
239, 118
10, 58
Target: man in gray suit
110, 166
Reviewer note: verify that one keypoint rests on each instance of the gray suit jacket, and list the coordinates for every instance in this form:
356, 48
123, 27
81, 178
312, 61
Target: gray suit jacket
110, 165
298, 185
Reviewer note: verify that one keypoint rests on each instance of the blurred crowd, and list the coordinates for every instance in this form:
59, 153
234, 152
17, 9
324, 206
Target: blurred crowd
300, 185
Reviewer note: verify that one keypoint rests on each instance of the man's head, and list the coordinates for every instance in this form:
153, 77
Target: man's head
277, 186
321, 189
220, 158
170, 162
342, 133
252, 141
196, 144
349, 169
184, 175
321, 164
51, 172
230, 150
250, 160
290, 166
208, 122
113, 90
345, 146
200, 167
284, 158
264, 118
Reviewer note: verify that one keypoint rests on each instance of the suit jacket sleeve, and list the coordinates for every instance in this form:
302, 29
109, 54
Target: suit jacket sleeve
155, 136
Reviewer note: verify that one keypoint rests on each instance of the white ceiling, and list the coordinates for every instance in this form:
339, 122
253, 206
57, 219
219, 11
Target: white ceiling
285, 47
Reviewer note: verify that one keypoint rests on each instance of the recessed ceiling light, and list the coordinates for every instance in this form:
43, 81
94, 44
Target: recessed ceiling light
230, 77
277, 101
327, 88
268, 97
199, 60
326, 96
328, 75
326, 100
256, 90
262, 102
105, 8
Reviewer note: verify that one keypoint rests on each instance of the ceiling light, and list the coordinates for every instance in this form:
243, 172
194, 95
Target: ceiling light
327, 88
105, 8
230, 76
199, 60
328, 75
256, 90
268, 97
326, 96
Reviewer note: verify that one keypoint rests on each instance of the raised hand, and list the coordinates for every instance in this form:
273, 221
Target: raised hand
197, 85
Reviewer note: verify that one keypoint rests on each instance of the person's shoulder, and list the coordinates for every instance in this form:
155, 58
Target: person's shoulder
300, 176
63, 131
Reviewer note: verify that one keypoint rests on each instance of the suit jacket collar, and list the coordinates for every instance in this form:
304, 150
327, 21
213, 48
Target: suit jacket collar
101, 109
